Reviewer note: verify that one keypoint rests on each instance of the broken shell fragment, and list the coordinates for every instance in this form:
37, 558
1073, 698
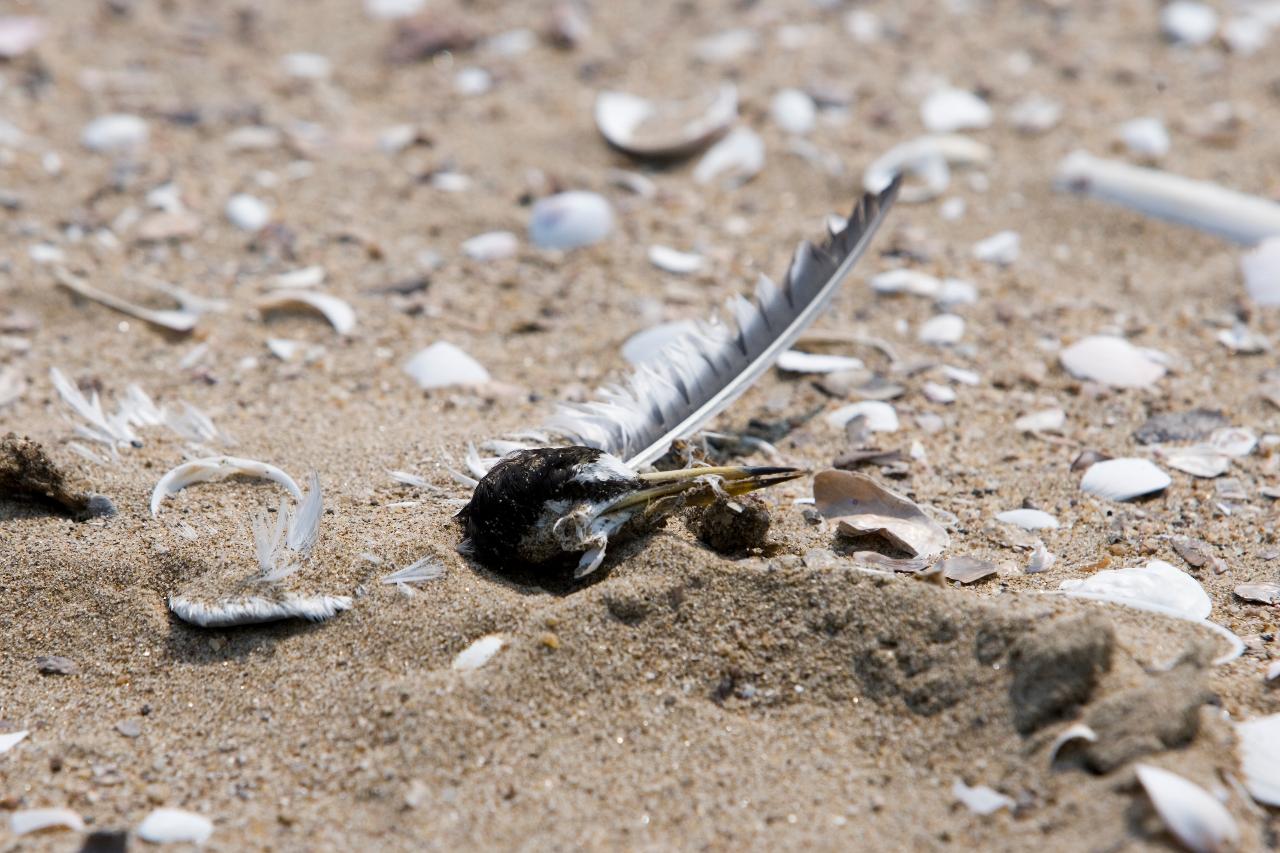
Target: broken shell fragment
942, 330
8, 740
491, 246
172, 826
908, 281
478, 653
949, 110
1188, 811
247, 212
1001, 248
1263, 593
1199, 461
179, 320
570, 220
793, 111
927, 158
864, 507
442, 365
1124, 479
965, 569
338, 312
673, 261
1258, 743
1261, 269
1029, 519
980, 799
1157, 583
25, 821
1188, 22
1112, 361
213, 468
1078, 731
665, 129
1047, 420
732, 161
795, 361
880, 416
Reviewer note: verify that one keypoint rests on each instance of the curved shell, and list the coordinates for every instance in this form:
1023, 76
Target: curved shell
665, 129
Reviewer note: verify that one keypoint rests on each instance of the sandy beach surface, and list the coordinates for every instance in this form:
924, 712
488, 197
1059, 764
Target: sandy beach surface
684, 699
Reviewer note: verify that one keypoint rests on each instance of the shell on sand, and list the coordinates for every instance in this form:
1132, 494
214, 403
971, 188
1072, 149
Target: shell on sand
665, 129
863, 506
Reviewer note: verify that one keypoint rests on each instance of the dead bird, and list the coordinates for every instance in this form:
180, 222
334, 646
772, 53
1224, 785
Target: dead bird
546, 507
550, 505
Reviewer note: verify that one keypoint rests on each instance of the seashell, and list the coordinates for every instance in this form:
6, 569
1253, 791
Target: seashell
26, 821
1046, 420
1209, 207
1241, 341
1189, 812
672, 261
936, 393
965, 569
864, 507
1028, 519
1246, 35
646, 345
732, 161
942, 330
1157, 583
928, 158
8, 740
253, 138
247, 212
1261, 269
665, 129
958, 374
312, 276
793, 111
389, 10
1001, 249
1041, 559
1110, 360
1078, 731
18, 34
1124, 479
491, 246
1035, 114
174, 826
478, 653
794, 361
881, 417
116, 133
442, 365
726, 47
213, 468
957, 291
980, 799
949, 110
865, 26
338, 312
306, 66
472, 81
1273, 671
181, 320
1188, 22
908, 281
570, 220
1258, 744
1263, 593
1198, 461
511, 43
1145, 137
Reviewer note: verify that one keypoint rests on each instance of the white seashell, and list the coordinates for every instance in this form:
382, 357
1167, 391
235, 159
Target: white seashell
1145, 137
1261, 269
338, 312
8, 740
1187, 22
952, 209
1273, 671
1189, 812
1258, 743
25, 821
665, 129
1042, 559
247, 212
1198, 461
287, 350
472, 81
173, 826
647, 345
1029, 519
253, 138
18, 34
478, 653
1035, 114
863, 506
732, 161
442, 365
1124, 479
727, 46
306, 66
570, 220
511, 43
881, 417
1002, 248
928, 158
980, 799
1246, 35
949, 110
491, 246
181, 320
300, 278
1078, 731
392, 9
1233, 441
672, 261
865, 26
1112, 361
909, 281
1047, 420
1243, 218
936, 393
793, 111
794, 361
1157, 583
959, 374
212, 468
116, 133
957, 291
942, 330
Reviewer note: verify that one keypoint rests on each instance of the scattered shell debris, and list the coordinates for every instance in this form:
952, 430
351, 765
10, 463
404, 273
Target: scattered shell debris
478, 653
865, 508
27, 821
1113, 361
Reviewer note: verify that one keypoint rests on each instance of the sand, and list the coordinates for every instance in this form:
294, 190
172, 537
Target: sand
684, 699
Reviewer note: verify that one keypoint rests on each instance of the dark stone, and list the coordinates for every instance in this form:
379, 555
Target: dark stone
1162, 714
1056, 668
1180, 426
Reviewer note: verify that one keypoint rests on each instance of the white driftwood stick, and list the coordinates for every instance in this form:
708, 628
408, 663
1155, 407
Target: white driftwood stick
1236, 216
